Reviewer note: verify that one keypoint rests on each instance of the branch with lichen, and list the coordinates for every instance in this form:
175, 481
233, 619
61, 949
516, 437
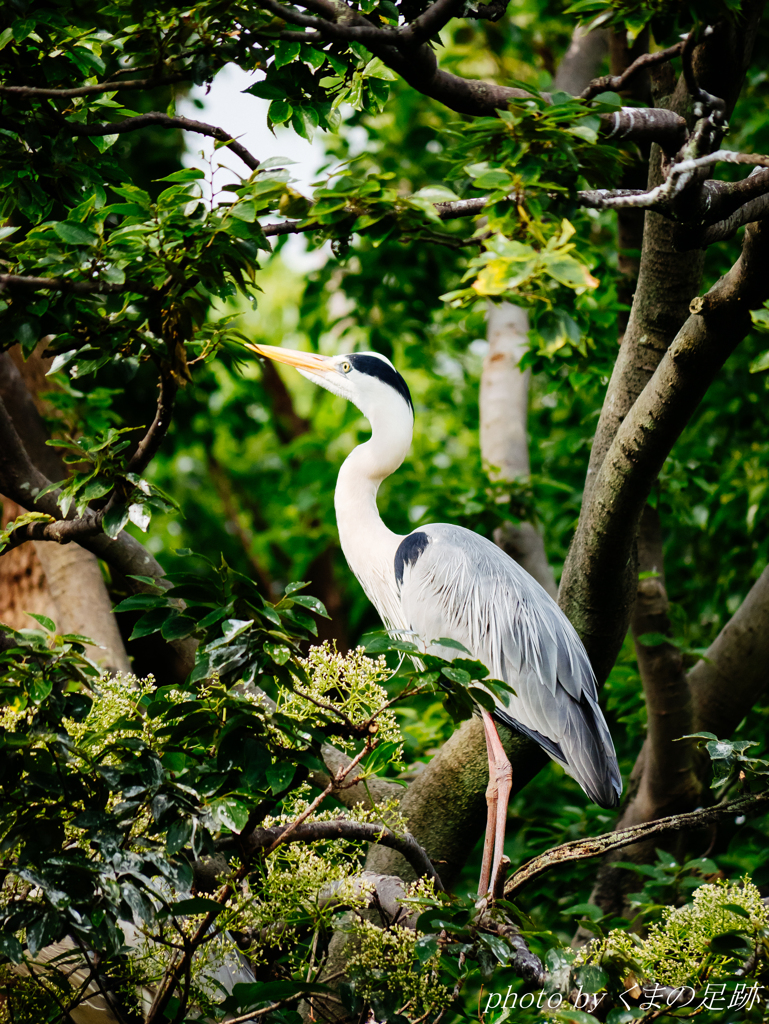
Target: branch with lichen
585, 849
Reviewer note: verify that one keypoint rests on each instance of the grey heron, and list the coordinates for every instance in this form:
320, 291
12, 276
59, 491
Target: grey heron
443, 581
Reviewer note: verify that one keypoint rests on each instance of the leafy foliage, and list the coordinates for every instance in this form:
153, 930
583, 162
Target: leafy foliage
115, 789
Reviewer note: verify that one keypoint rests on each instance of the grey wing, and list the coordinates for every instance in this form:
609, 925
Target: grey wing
458, 585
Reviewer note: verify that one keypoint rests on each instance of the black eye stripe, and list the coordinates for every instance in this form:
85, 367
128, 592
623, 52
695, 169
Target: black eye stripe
378, 368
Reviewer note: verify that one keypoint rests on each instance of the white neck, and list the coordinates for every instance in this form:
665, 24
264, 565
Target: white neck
368, 545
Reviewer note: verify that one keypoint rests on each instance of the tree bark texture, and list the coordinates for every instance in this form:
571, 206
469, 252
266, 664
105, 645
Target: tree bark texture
664, 780
22, 581
726, 685
504, 395
76, 595
581, 62
598, 584
599, 604
504, 437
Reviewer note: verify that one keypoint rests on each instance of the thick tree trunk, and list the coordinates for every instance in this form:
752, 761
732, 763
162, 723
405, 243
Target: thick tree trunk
599, 603
67, 578
23, 586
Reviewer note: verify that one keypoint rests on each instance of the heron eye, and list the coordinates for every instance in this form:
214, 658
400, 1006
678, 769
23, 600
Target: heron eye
345, 367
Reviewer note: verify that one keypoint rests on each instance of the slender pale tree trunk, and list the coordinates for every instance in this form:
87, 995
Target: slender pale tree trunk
504, 439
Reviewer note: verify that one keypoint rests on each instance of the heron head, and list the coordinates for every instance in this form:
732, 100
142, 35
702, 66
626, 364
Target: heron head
367, 379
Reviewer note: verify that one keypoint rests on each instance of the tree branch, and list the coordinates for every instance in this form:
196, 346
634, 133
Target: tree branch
615, 83
668, 779
360, 795
429, 24
419, 67
664, 780
340, 828
726, 685
599, 570
132, 124
666, 285
63, 284
152, 440
33, 91
355, 29
583, 849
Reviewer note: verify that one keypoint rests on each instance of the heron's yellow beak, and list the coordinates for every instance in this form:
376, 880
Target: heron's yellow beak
301, 360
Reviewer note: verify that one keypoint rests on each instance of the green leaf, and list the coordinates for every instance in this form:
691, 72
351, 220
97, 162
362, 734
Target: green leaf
590, 909
179, 834
457, 675
9, 944
731, 944
45, 622
247, 995
291, 588
192, 906
188, 174
150, 581
377, 69
592, 978
312, 603
230, 813
286, 52
151, 622
498, 947
304, 121
762, 363
425, 947
575, 1017
141, 602
453, 644
176, 627
279, 776
278, 652
244, 210
735, 908
40, 689
620, 1016
280, 111
75, 234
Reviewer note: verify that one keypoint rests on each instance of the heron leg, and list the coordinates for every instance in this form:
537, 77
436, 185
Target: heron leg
497, 796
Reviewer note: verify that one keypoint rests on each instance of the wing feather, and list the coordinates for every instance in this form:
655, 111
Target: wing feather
463, 587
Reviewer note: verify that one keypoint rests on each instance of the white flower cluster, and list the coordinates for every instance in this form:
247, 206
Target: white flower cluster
349, 684
386, 957
677, 948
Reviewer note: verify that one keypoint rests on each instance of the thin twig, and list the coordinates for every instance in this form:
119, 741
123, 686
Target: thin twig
365, 33
150, 443
614, 83
333, 784
30, 91
132, 124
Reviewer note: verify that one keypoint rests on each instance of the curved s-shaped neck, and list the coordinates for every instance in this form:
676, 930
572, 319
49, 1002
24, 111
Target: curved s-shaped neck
368, 545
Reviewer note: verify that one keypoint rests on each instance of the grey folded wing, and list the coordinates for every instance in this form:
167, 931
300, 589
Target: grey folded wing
456, 584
